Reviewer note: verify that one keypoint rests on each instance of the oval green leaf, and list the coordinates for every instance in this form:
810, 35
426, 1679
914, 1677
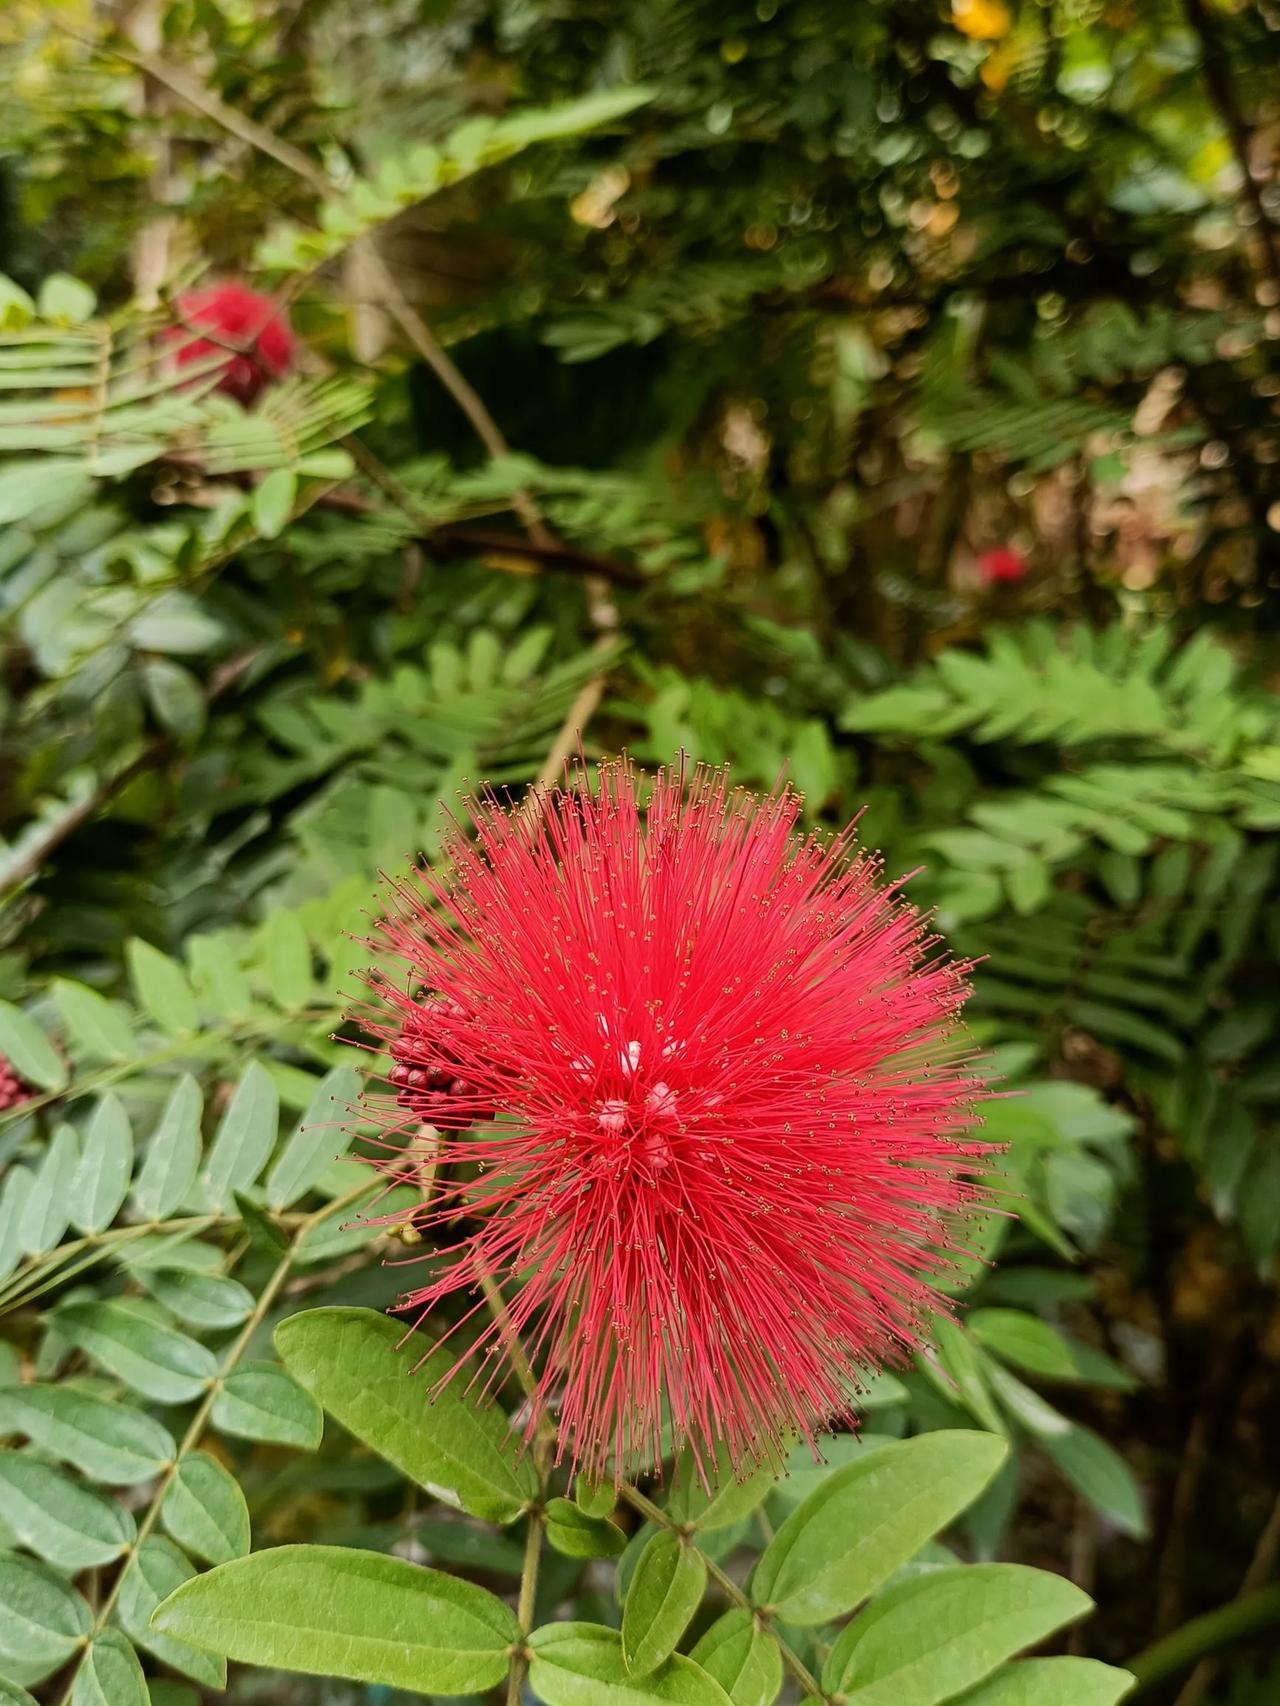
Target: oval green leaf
318, 1139
728, 1498
208, 1301
106, 1163
126, 1338
161, 987
59, 1519
666, 1589
1052, 1682
110, 1674
111, 1443
866, 1520
581, 1664
261, 1401
929, 1638
1097, 1470
742, 1658
336, 1611
205, 1511
42, 1620
571, 1531
245, 1137
449, 1442
48, 1206
173, 1153
157, 1569
32, 1054
1034, 1346
95, 1025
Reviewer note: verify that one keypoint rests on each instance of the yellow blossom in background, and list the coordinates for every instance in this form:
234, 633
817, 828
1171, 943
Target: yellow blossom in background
981, 20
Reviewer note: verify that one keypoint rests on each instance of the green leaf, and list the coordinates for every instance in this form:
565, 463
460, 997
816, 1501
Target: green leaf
273, 500
57, 1518
106, 1163
336, 1611
42, 1620
318, 1139
65, 300
12, 1695
1032, 1344
111, 1443
48, 1205
96, 1026
449, 1442
594, 1498
208, 1301
262, 1228
244, 1139
129, 1341
1098, 1471
925, 1640
958, 1373
1052, 1682
866, 1520
205, 1511
14, 1194
581, 1664
729, 1498
17, 308
571, 1531
260, 1401
110, 1674
31, 1053
175, 622
161, 988
286, 959
173, 1153
157, 1569
742, 1658
666, 1589
176, 699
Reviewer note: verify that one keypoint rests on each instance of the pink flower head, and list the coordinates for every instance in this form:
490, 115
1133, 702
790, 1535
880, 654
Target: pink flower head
249, 327
14, 1089
1002, 564
732, 1106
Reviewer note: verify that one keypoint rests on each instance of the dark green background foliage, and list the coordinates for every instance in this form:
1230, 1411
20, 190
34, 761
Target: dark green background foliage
669, 369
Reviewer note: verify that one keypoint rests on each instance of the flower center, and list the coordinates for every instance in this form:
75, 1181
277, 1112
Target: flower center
634, 1130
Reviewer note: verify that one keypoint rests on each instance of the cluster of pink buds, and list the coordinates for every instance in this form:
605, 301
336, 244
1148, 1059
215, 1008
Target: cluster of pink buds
426, 1073
14, 1089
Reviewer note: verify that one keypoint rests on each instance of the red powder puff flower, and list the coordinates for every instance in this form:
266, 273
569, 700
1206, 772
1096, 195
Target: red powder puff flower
1002, 564
14, 1089
731, 1101
249, 327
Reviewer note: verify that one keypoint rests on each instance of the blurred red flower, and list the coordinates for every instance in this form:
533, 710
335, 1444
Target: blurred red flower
14, 1089
734, 1111
250, 327
1002, 564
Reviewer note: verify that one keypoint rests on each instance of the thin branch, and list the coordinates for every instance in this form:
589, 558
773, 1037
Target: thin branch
434, 534
200, 1420
807, 1682
1217, 77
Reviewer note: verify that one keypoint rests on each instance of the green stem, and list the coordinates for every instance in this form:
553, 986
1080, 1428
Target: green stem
200, 1419
235, 1030
1203, 1635
44, 1272
544, 1442
804, 1677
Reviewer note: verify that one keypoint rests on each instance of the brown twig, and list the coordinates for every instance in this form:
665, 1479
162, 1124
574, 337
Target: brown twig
1217, 77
